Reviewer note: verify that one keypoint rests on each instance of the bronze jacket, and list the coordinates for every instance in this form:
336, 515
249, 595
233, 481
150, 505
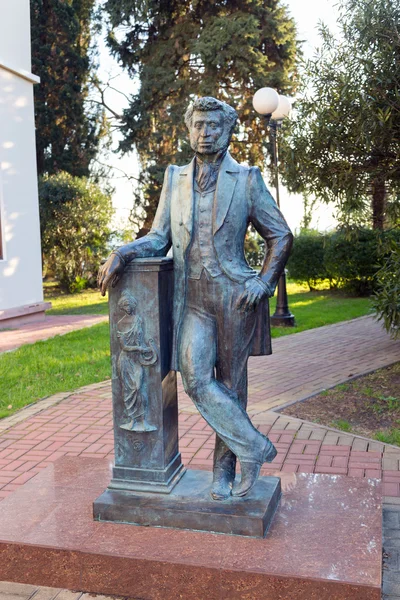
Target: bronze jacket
241, 198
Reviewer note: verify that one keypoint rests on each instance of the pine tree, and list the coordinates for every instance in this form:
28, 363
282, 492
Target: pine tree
67, 130
178, 49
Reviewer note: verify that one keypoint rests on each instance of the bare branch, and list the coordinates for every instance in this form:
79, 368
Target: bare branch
125, 175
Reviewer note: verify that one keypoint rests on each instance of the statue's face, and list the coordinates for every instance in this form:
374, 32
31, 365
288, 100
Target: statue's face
208, 134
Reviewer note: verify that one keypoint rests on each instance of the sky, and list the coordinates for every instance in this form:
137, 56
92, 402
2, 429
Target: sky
307, 14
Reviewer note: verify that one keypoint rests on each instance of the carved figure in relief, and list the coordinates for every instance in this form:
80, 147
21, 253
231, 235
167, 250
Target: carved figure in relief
135, 354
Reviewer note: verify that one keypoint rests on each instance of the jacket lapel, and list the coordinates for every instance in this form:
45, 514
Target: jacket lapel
185, 183
226, 183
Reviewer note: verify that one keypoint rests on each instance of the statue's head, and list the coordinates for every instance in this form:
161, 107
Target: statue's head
127, 303
211, 124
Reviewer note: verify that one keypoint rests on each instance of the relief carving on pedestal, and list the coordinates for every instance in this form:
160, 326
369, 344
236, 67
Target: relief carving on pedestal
135, 354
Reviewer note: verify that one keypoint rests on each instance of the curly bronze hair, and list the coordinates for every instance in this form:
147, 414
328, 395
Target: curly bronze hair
209, 103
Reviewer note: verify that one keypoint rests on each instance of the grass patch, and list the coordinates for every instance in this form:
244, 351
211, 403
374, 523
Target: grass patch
389, 437
59, 364
387, 404
315, 309
341, 424
89, 302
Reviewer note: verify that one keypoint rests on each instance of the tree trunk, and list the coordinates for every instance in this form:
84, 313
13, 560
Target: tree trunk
143, 231
378, 203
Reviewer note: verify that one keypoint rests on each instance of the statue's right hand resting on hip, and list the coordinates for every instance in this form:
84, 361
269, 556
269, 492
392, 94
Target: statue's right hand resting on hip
111, 271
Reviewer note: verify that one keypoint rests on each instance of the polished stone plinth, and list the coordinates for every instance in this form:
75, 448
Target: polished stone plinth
324, 543
189, 506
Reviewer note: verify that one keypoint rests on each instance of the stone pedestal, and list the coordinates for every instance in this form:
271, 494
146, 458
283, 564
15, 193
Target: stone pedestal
325, 543
190, 506
148, 459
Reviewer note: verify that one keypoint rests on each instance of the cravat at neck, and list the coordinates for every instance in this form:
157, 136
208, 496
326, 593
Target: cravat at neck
207, 172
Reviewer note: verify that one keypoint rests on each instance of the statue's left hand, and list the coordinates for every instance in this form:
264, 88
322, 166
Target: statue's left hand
254, 291
110, 272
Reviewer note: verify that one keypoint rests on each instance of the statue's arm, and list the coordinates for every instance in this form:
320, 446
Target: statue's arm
133, 348
271, 225
124, 346
156, 243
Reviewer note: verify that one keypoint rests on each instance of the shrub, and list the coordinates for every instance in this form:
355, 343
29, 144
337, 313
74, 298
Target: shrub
386, 300
352, 259
74, 218
306, 262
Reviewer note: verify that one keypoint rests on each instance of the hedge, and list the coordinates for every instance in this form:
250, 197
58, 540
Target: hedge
306, 263
348, 260
386, 300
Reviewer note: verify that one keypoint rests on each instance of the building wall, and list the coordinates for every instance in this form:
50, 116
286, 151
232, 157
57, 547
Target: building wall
15, 36
20, 267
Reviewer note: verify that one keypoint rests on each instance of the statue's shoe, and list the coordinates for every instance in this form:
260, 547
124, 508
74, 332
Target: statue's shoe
251, 470
222, 484
250, 473
270, 451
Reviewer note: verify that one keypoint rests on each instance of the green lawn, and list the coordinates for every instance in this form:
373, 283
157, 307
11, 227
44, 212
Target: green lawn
56, 365
82, 357
89, 302
314, 309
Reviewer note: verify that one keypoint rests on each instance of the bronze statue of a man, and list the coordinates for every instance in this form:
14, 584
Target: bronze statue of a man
220, 303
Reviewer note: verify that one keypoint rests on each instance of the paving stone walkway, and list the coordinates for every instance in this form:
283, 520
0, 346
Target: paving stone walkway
19, 591
52, 325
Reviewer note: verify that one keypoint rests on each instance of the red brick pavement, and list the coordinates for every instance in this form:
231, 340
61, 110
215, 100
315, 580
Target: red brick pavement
81, 425
52, 325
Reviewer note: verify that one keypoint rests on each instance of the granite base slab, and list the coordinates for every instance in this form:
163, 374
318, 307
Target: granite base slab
324, 543
189, 506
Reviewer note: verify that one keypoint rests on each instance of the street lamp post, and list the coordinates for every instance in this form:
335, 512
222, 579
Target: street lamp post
274, 108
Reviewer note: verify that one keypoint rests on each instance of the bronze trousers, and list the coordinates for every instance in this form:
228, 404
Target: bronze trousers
214, 348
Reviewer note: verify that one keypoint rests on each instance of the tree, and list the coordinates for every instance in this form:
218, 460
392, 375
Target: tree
344, 142
74, 218
178, 49
68, 132
386, 300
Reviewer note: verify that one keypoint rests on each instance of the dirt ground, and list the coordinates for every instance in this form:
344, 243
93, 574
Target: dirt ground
368, 406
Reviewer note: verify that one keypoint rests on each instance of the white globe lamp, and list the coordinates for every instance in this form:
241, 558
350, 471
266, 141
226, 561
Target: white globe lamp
274, 109
266, 101
283, 109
